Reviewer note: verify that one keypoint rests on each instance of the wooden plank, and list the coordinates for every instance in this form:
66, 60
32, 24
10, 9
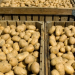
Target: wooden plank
23, 17
71, 18
64, 18
41, 18
35, 10
15, 17
7, 17
48, 18
35, 18
28, 17
56, 18
0, 17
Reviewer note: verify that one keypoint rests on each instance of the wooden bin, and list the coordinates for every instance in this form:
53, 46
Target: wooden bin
47, 51
40, 26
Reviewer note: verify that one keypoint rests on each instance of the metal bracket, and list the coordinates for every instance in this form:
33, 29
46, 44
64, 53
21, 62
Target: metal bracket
73, 12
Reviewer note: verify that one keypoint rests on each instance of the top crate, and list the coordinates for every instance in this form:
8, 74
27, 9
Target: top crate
49, 7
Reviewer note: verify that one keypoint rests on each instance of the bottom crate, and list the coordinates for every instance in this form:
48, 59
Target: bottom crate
48, 25
40, 26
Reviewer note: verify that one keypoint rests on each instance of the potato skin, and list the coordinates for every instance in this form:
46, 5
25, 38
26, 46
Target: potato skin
29, 59
10, 73
60, 68
19, 70
54, 72
35, 68
1, 73
5, 67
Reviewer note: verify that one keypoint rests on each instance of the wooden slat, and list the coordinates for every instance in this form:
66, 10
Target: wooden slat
56, 18
48, 18
35, 18
7, 17
23, 17
71, 18
15, 17
64, 18
41, 18
35, 10
28, 17
0, 17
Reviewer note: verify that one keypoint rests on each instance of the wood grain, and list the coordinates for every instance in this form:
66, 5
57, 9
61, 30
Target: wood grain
35, 10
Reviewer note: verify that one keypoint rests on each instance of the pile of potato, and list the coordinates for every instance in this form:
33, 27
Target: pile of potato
37, 3
19, 50
62, 50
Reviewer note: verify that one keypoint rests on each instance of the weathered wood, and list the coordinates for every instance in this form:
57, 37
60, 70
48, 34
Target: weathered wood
15, 17
23, 17
7, 17
71, 18
35, 10
41, 18
64, 18
35, 18
56, 18
48, 18
29, 18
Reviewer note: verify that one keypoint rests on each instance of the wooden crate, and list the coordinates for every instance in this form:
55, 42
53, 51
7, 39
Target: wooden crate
40, 26
47, 51
32, 17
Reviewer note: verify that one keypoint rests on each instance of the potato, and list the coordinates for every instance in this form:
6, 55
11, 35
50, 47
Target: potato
54, 50
16, 46
22, 56
54, 72
15, 53
31, 31
31, 27
68, 48
66, 42
59, 54
19, 71
68, 56
65, 60
51, 30
13, 32
52, 40
9, 56
12, 26
70, 62
7, 48
22, 34
2, 42
7, 30
16, 38
62, 49
52, 55
5, 66
5, 36
23, 43
34, 41
36, 46
2, 56
71, 40
9, 41
35, 68
29, 66
60, 68
56, 60
21, 28
63, 38
73, 50
29, 48
36, 35
57, 37
26, 37
29, 59
1, 73
22, 64
68, 69
58, 30
36, 54
10, 73
13, 61
73, 65
29, 40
